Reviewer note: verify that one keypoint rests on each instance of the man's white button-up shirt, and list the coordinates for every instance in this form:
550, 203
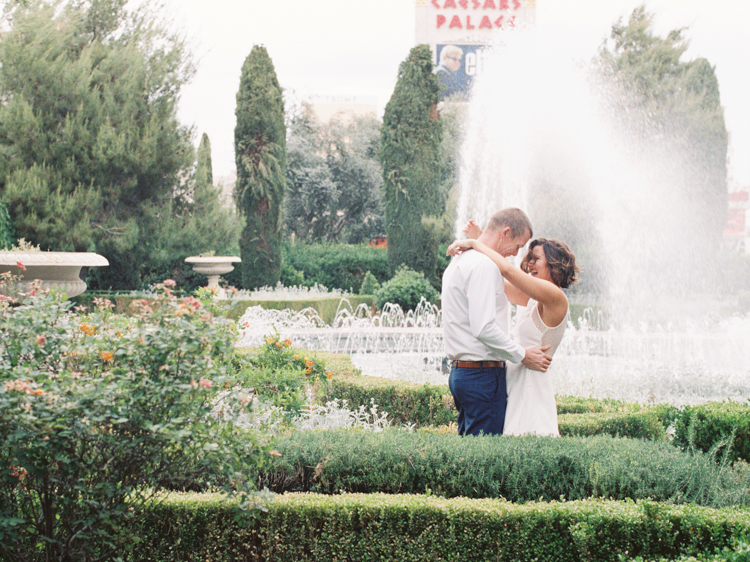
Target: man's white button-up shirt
475, 311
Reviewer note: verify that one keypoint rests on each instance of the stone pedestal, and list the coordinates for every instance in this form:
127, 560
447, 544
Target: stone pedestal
213, 266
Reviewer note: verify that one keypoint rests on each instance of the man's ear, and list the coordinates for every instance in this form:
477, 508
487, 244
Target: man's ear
505, 232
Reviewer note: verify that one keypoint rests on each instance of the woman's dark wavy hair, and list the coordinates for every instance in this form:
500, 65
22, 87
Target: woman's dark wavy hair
560, 260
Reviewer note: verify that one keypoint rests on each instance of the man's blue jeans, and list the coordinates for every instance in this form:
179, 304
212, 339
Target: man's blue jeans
481, 397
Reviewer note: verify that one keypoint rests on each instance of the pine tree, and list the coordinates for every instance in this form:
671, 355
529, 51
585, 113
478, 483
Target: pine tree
260, 154
412, 171
674, 111
92, 152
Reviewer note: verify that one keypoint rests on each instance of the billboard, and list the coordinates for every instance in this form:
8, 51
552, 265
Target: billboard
456, 67
470, 21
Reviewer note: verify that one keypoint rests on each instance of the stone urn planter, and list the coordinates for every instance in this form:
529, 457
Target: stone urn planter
61, 270
213, 266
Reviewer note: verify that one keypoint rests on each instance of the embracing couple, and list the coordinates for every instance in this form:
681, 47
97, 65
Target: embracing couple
501, 386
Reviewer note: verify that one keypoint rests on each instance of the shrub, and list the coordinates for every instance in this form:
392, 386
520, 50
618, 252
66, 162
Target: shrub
336, 266
518, 469
278, 374
100, 410
713, 423
406, 289
369, 284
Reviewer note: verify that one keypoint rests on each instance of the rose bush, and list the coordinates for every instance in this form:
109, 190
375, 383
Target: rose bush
98, 412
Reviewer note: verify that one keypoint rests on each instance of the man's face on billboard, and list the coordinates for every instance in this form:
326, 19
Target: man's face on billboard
453, 61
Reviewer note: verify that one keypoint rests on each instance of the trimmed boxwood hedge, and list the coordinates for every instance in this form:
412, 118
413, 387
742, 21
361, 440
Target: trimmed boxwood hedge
416, 528
639, 425
516, 468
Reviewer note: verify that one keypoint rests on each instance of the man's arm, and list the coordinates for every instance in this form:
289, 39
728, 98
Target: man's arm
537, 359
481, 293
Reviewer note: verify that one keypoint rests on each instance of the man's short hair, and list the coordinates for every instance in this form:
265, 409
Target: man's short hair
515, 218
450, 50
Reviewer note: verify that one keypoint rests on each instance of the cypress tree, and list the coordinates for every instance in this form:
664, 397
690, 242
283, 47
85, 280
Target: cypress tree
410, 156
204, 175
7, 232
260, 154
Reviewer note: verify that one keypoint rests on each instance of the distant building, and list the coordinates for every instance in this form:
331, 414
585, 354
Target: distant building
737, 230
326, 107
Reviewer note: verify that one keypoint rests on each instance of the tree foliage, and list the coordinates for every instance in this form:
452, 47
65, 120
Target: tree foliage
412, 172
260, 153
672, 110
334, 179
93, 157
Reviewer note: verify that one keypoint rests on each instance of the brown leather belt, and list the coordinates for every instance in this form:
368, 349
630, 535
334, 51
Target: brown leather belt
479, 364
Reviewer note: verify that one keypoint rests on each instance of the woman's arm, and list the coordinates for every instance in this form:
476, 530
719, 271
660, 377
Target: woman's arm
515, 295
549, 295
472, 229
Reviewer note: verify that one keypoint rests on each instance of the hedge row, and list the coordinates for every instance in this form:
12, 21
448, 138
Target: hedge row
425, 405
519, 469
326, 307
416, 528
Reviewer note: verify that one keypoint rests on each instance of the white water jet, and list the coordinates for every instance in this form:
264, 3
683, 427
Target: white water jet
540, 128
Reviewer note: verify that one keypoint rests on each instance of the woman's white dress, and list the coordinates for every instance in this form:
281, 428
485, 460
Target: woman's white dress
531, 406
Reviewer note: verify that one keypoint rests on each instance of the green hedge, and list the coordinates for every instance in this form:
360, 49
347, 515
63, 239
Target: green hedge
516, 468
406, 402
580, 405
638, 425
339, 266
416, 528
713, 423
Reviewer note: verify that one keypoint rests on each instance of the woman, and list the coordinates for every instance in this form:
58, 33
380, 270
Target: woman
548, 267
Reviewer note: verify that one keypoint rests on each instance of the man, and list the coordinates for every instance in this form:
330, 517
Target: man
475, 327
448, 71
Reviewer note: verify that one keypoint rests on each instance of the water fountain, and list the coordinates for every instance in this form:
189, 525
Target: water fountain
536, 124
541, 135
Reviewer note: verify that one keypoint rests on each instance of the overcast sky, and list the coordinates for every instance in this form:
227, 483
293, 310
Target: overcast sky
354, 47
